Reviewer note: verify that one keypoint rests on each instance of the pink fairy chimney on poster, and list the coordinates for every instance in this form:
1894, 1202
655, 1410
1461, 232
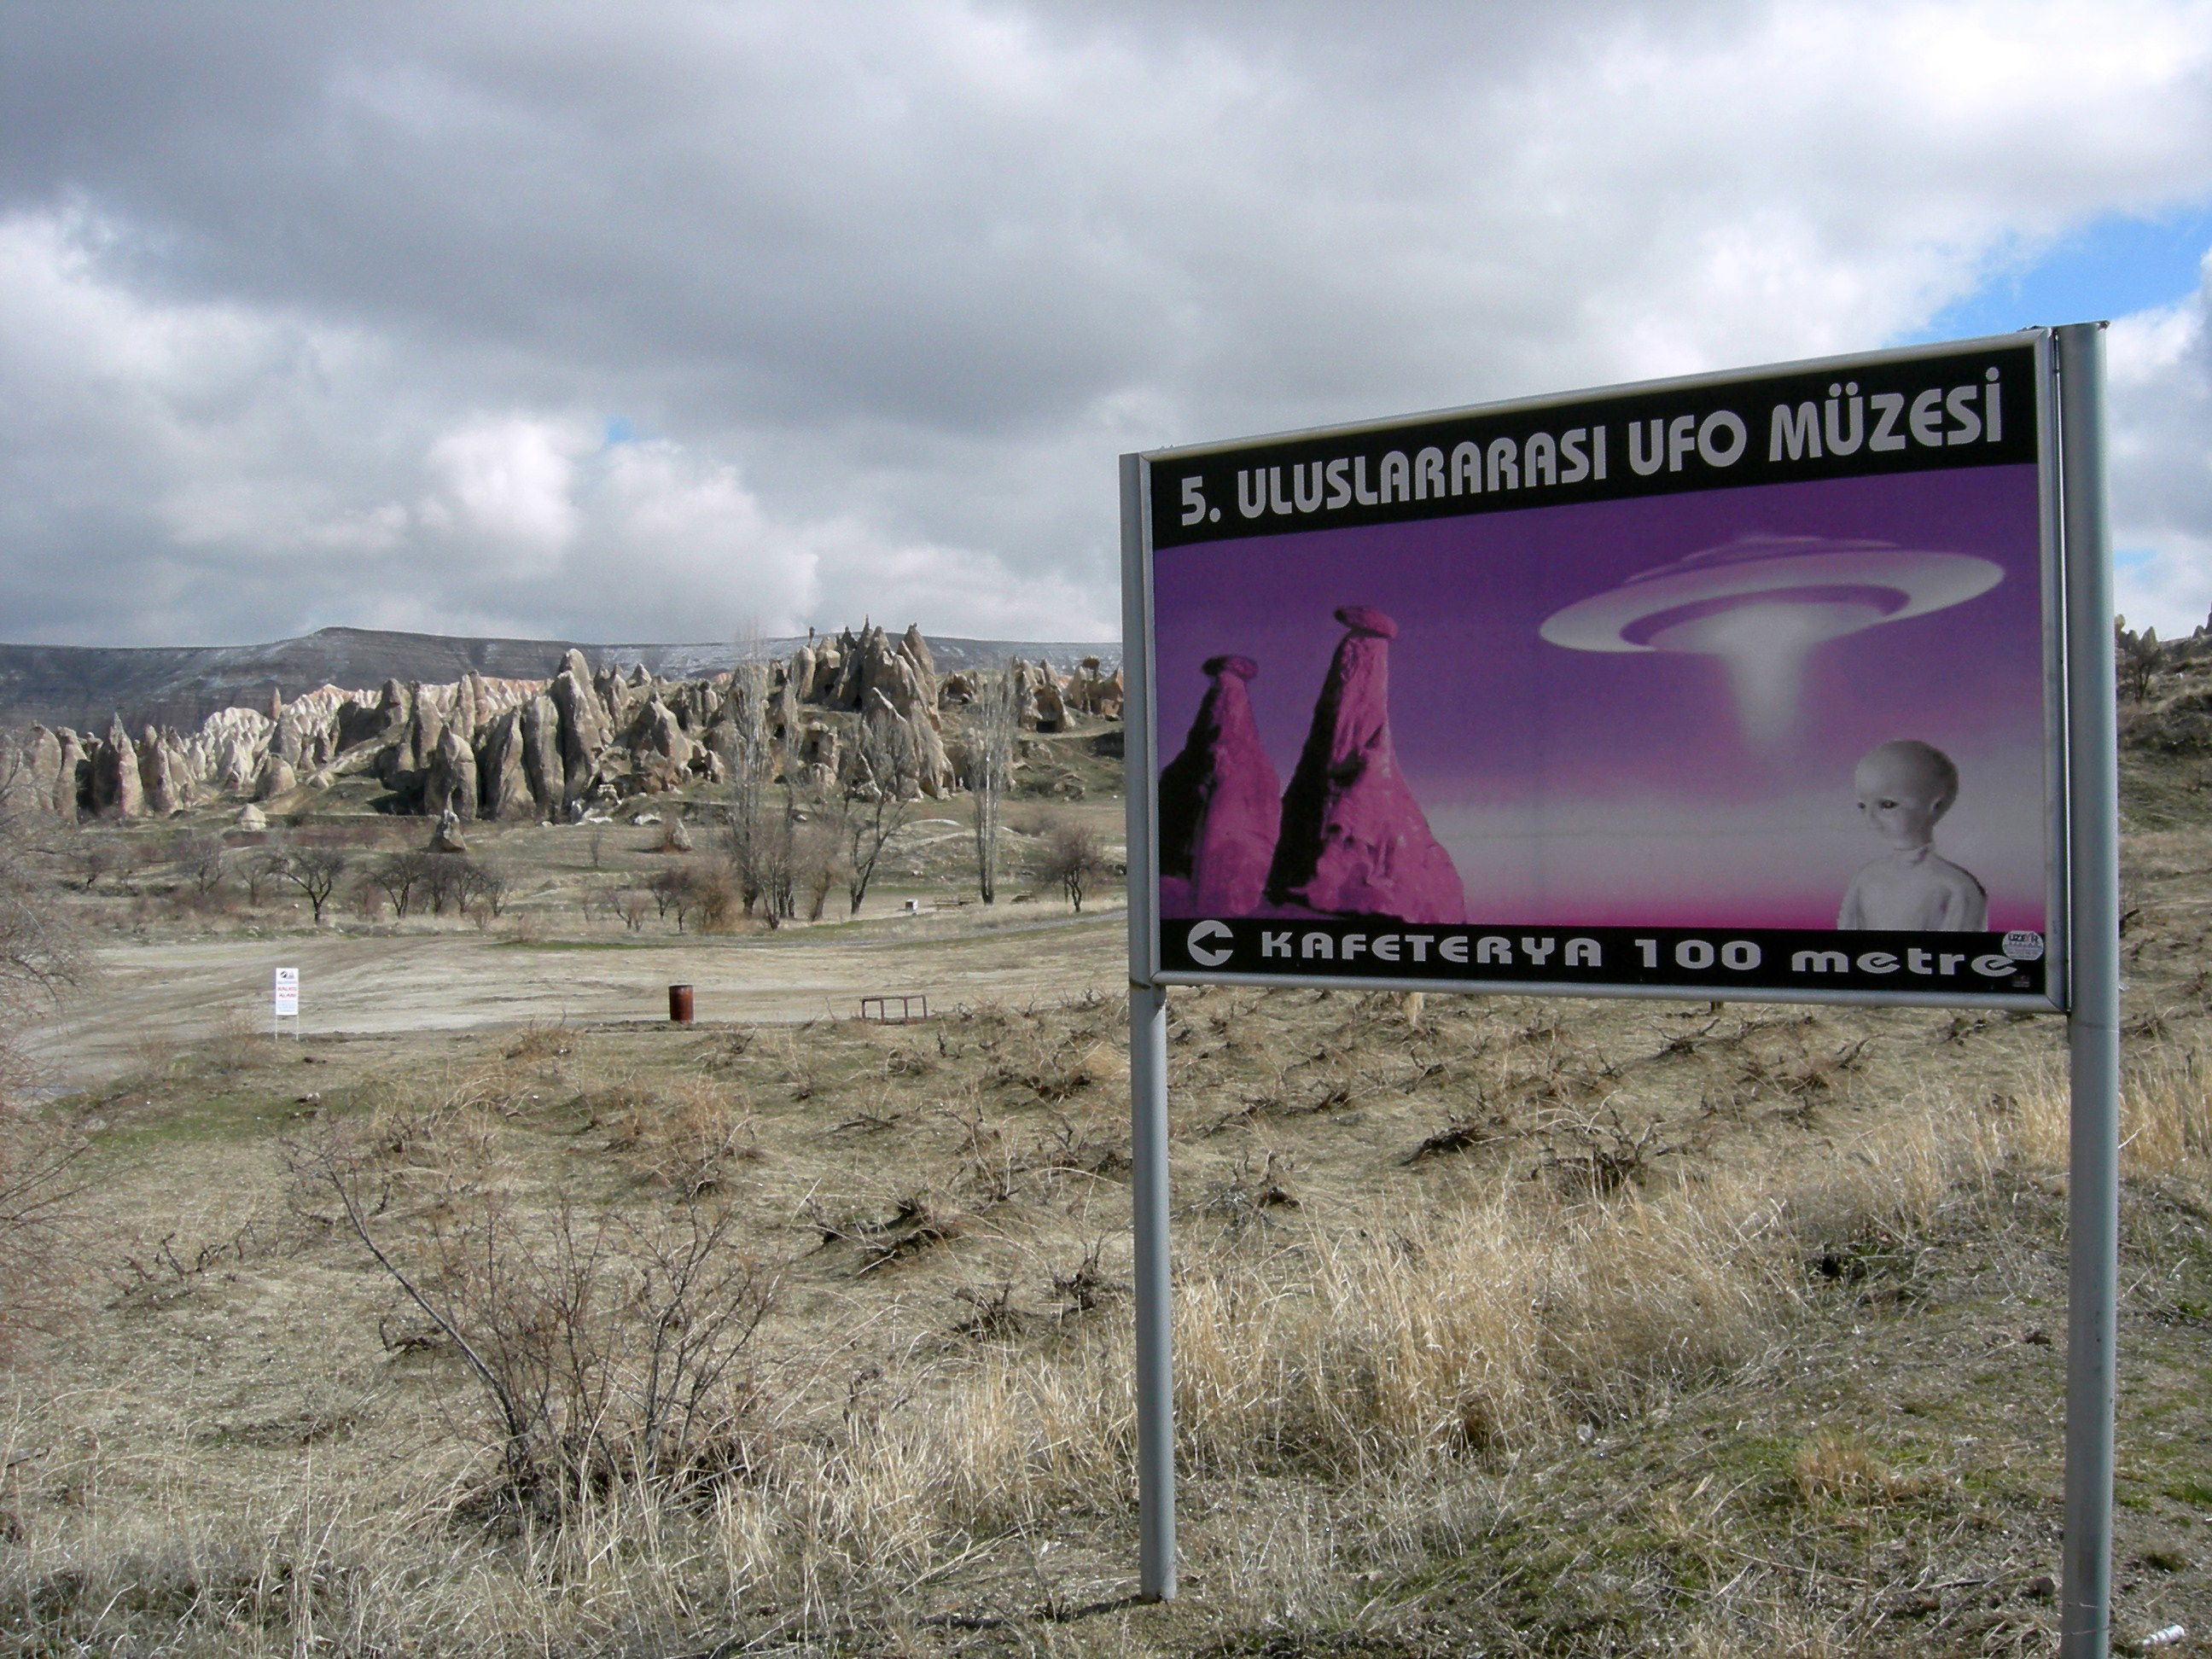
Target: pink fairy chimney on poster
1219, 805
1354, 842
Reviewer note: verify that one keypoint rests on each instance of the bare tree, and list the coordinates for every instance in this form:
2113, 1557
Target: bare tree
671, 891
993, 727
94, 857
713, 904
817, 862
367, 898
446, 880
485, 889
201, 859
878, 798
760, 832
315, 871
401, 877
40, 952
19, 788
1074, 857
263, 868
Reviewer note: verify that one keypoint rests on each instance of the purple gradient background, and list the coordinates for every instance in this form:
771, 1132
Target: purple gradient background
1617, 788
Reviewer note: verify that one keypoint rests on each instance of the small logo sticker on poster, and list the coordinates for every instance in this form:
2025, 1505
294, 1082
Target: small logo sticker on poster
2023, 946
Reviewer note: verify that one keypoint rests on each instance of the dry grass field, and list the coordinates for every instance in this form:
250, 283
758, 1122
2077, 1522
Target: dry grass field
1503, 1326
588, 930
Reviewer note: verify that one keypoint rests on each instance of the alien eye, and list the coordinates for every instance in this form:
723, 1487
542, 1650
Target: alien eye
1888, 806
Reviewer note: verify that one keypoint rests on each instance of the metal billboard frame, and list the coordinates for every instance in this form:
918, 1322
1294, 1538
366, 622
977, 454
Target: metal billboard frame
2081, 929
1140, 705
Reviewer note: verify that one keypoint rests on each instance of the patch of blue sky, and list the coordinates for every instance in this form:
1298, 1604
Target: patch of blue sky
620, 431
2114, 267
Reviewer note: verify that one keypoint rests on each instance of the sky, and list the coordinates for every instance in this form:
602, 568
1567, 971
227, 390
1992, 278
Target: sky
667, 323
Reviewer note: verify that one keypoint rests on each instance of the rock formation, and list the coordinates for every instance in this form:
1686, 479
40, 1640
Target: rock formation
449, 780
655, 732
69, 769
40, 758
163, 778
118, 791
1090, 690
541, 751
485, 747
1219, 806
585, 728
277, 778
915, 650
503, 785
1354, 842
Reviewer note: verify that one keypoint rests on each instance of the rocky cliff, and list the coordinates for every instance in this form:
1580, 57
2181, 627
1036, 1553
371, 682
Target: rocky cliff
181, 685
836, 712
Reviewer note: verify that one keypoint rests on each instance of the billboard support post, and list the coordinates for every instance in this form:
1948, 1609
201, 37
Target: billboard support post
1148, 1183
2093, 1020
1148, 1080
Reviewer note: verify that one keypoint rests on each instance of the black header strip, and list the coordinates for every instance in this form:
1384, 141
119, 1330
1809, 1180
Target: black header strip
1846, 419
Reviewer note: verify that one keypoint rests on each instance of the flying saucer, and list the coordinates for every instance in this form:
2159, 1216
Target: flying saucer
1800, 589
1762, 604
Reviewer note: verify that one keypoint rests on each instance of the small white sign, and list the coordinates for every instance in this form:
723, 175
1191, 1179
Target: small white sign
288, 993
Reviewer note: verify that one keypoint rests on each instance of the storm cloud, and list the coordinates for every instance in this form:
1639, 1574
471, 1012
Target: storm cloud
623, 322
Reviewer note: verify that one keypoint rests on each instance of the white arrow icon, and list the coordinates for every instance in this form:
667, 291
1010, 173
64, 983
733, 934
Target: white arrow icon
1198, 953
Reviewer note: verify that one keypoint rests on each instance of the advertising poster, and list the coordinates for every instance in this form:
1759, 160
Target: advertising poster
1741, 686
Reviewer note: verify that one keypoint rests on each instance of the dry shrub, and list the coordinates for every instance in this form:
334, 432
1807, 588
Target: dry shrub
1592, 1154
1833, 1468
1412, 1342
609, 1351
41, 1220
41, 954
685, 1135
1051, 1065
539, 1043
241, 1042
1481, 1327
717, 902
1393, 1358
444, 1128
222, 1591
2166, 1116
917, 1222
155, 1272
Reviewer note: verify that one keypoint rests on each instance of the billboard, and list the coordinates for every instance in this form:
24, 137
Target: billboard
1749, 685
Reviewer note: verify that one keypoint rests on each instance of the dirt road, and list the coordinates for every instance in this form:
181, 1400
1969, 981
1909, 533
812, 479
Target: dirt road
151, 998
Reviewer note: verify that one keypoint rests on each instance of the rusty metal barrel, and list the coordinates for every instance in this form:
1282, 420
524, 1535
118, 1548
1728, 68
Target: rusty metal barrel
679, 1004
